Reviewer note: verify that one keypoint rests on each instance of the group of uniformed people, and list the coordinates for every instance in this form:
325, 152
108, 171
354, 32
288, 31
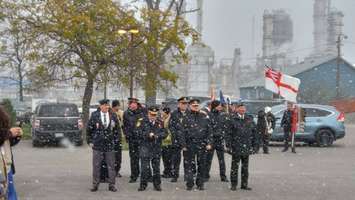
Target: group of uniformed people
190, 131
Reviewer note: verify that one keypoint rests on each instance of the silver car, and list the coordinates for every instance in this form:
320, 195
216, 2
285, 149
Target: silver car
324, 124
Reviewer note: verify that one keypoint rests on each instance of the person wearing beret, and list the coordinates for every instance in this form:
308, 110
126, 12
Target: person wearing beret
219, 127
132, 121
151, 136
175, 127
102, 136
196, 140
241, 142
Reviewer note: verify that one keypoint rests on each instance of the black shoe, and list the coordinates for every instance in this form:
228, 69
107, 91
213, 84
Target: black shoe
133, 180
141, 188
189, 188
112, 188
118, 175
201, 188
224, 179
266, 153
157, 188
284, 150
293, 150
234, 188
94, 188
174, 180
245, 188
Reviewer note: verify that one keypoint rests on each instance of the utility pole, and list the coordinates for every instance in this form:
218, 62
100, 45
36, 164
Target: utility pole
339, 44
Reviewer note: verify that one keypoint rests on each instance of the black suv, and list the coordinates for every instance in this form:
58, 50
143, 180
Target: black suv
53, 122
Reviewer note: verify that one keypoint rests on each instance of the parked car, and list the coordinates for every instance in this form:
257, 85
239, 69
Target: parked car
53, 122
253, 106
324, 124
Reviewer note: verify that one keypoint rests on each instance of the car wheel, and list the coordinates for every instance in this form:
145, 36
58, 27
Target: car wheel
78, 143
325, 138
310, 143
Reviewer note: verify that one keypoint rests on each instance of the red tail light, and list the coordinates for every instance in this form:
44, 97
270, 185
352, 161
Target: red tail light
341, 117
37, 123
80, 124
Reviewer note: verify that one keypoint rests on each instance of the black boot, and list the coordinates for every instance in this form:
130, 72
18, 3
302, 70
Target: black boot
142, 188
224, 179
112, 188
157, 188
293, 150
94, 188
133, 180
233, 187
245, 188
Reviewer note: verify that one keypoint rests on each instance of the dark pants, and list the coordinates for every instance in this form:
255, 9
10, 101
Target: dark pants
176, 160
244, 160
167, 153
265, 139
287, 137
220, 154
98, 158
195, 155
118, 155
146, 170
134, 158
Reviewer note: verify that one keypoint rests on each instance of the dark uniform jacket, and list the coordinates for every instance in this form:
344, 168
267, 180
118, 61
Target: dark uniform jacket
196, 130
176, 125
242, 139
151, 147
286, 121
132, 122
219, 126
103, 139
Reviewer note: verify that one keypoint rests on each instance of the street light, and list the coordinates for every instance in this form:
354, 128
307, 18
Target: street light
131, 32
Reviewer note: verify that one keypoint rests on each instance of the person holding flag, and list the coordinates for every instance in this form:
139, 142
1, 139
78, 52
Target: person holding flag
288, 123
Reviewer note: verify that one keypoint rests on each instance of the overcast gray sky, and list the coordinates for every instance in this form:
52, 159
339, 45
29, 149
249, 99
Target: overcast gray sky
228, 24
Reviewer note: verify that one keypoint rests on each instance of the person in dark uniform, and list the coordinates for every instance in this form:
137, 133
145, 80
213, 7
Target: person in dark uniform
151, 134
175, 126
102, 135
265, 126
219, 127
132, 120
286, 124
196, 140
167, 145
241, 142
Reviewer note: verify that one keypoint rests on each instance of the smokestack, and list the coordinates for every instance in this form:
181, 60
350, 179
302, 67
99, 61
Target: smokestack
321, 10
267, 34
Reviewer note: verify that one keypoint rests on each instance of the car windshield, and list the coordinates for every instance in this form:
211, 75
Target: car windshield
59, 110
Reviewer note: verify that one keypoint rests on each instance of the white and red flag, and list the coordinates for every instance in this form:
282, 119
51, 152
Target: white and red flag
282, 84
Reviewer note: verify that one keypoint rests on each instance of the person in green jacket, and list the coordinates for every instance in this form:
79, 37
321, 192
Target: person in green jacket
167, 145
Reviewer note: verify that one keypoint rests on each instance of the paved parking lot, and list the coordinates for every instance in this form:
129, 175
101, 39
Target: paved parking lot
312, 174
